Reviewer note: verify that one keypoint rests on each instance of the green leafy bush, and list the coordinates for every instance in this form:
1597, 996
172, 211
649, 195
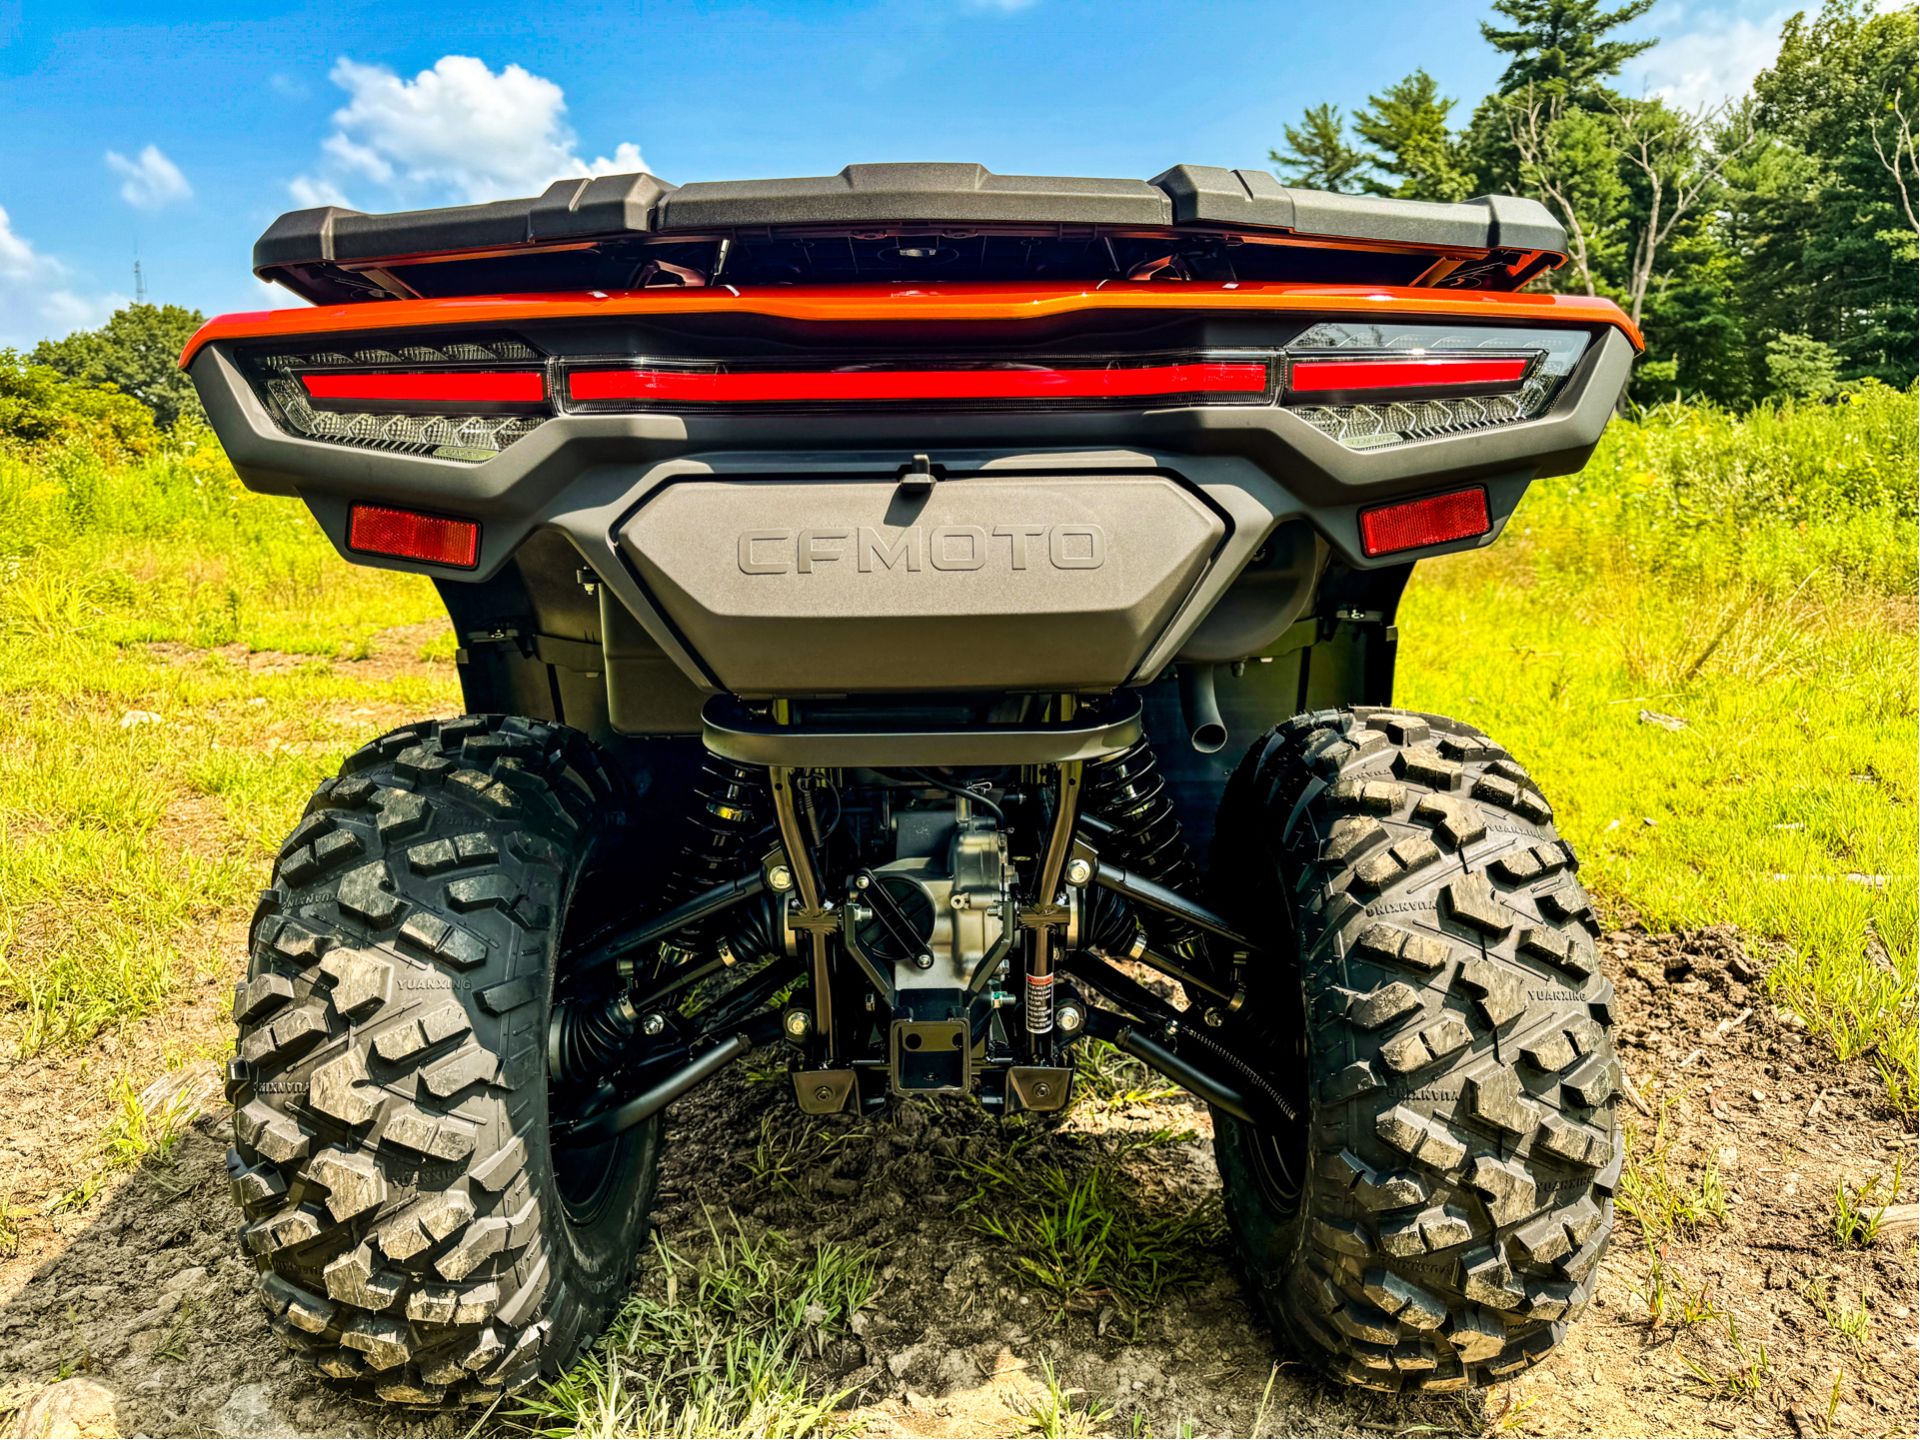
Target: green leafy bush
137, 352
42, 411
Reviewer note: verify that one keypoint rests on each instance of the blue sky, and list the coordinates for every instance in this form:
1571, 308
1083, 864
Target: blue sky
179, 132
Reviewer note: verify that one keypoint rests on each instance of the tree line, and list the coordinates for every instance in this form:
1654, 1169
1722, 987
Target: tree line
1767, 246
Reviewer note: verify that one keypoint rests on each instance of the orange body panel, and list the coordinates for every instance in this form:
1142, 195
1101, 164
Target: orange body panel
907, 304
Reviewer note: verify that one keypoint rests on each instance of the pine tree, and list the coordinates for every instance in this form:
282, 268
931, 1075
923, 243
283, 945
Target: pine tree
1838, 265
1561, 43
1321, 157
1407, 125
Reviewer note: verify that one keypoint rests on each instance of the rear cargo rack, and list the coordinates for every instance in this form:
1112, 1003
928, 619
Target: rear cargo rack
909, 221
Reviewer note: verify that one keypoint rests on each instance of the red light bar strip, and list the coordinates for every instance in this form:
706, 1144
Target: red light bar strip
445, 387
408, 535
1412, 524
777, 387
1309, 377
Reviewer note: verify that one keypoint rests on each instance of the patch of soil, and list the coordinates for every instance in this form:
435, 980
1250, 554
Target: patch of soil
1747, 1087
392, 653
144, 1292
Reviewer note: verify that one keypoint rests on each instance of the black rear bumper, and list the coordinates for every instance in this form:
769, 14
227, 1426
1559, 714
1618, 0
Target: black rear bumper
1262, 475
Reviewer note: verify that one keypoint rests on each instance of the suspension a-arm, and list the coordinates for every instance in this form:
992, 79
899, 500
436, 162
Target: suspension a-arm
1168, 1041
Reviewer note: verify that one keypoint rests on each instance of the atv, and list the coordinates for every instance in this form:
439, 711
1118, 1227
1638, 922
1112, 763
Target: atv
918, 622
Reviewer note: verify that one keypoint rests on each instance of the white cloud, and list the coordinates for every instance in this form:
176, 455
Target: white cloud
62, 310
18, 259
1006, 7
151, 180
36, 299
311, 193
1705, 56
459, 131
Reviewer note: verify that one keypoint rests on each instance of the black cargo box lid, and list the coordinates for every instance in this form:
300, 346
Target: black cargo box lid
642, 209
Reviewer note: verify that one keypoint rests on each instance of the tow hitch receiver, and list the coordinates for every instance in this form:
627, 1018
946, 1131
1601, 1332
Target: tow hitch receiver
931, 1057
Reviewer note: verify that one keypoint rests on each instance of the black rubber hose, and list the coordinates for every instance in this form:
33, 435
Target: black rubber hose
985, 802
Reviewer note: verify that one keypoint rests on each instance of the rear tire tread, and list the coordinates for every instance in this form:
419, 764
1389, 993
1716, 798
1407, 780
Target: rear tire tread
390, 1063
1462, 1147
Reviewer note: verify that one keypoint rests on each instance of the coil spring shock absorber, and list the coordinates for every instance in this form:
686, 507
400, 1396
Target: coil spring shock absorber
1130, 794
729, 810
589, 1035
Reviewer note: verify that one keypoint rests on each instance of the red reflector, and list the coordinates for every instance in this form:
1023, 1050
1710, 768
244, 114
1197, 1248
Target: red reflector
405, 535
1313, 377
764, 387
1388, 529
445, 387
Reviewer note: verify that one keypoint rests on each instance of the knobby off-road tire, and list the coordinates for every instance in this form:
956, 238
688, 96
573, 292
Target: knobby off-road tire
415, 1235
1439, 1216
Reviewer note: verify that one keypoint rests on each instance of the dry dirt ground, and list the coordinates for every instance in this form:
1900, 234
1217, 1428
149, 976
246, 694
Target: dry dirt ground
144, 1293
141, 1290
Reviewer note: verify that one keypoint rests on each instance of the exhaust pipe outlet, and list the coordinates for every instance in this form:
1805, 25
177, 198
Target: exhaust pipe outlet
1201, 706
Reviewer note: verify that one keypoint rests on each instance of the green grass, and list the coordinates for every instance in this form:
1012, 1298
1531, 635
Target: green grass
174, 549
1859, 1210
145, 776
790, 1146
150, 1123
1744, 1373
1854, 1323
1090, 1239
1754, 578
1656, 1196
715, 1345
1110, 1079
1061, 1412
1672, 1299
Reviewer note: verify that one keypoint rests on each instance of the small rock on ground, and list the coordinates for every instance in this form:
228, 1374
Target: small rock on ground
76, 1409
249, 1411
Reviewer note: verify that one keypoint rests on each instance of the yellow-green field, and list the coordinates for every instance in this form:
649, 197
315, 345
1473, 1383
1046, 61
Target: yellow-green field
181, 661
170, 692
1747, 585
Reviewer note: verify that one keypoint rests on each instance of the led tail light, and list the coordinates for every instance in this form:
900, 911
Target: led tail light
1415, 524
409, 535
1366, 385
1405, 376
462, 400
1369, 386
411, 389
644, 385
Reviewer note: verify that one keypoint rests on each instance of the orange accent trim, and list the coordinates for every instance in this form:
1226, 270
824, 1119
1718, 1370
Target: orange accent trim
907, 304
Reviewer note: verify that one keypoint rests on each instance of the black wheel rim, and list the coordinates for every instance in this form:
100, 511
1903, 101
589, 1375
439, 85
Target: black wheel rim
1281, 1152
587, 1176
584, 1175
